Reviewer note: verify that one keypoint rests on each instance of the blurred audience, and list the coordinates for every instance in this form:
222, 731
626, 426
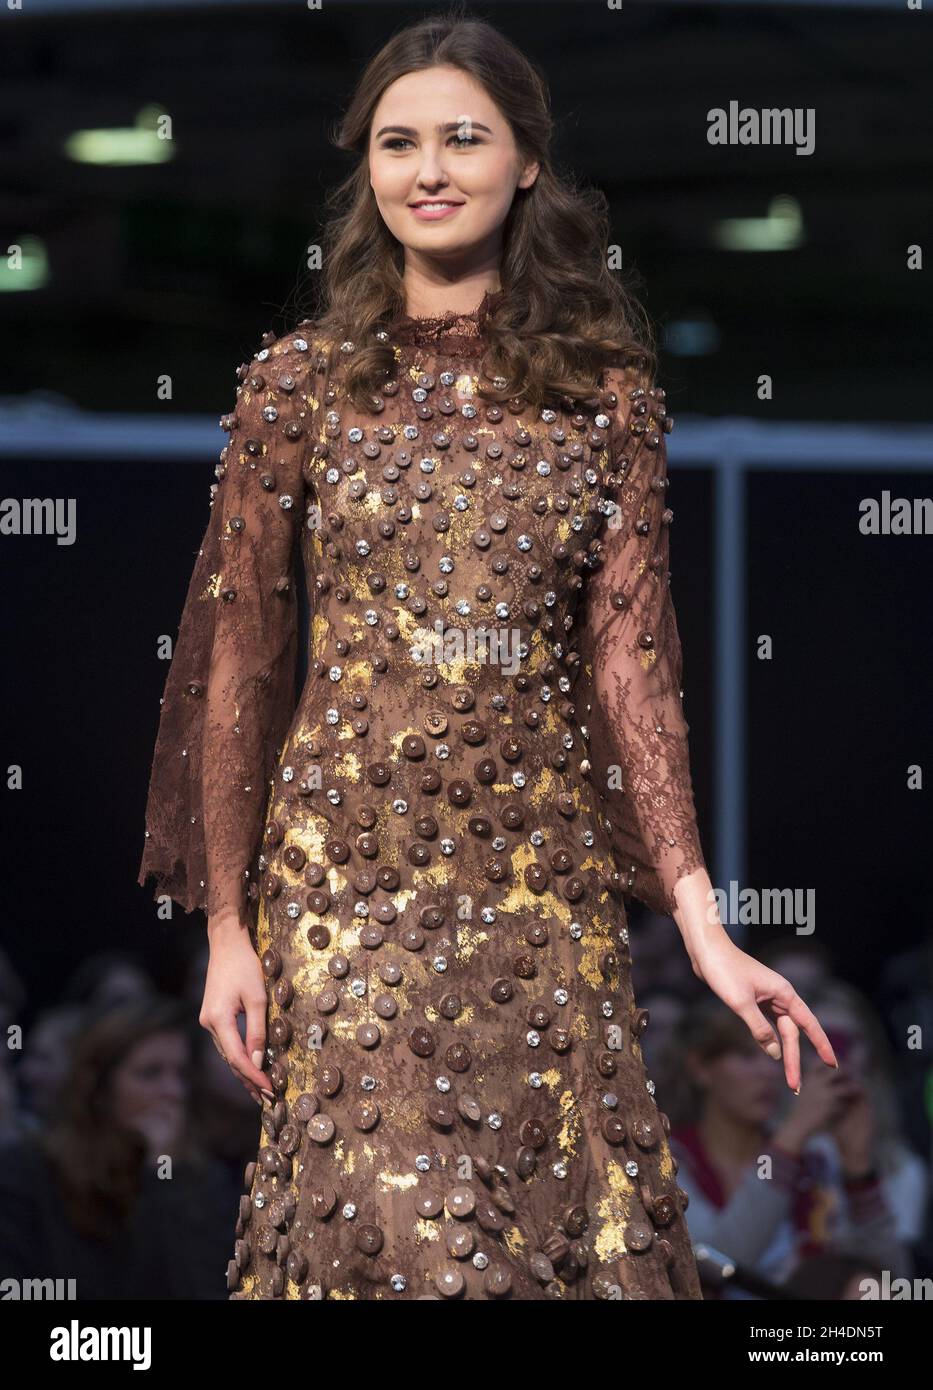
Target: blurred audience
124, 1135
113, 1191
773, 1181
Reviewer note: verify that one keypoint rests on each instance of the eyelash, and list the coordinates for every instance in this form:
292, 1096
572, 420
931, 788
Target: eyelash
393, 142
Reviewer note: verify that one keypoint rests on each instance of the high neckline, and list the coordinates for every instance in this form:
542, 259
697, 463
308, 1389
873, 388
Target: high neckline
454, 326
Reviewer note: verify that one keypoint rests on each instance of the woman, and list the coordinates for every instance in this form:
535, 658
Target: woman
770, 1191
455, 1106
113, 1192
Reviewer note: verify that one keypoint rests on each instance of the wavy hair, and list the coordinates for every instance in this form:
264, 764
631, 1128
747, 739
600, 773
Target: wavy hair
563, 315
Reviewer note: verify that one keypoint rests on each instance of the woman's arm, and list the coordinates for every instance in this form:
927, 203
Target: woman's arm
632, 633
230, 691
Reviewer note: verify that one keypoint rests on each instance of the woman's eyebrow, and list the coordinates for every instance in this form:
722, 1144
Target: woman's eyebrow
449, 125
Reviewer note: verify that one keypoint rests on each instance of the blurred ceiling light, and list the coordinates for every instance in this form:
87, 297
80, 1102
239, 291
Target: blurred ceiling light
146, 142
694, 334
24, 266
781, 230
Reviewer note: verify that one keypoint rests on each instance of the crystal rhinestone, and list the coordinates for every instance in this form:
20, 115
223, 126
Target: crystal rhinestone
576, 931
358, 987
587, 837
498, 842
543, 467
287, 774
609, 1099
524, 542
293, 910
335, 673
368, 1083
427, 465
447, 846
259, 1201
440, 964
423, 1163
355, 434
536, 837
559, 1169
461, 503
399, 806
349, 1210
362, 547
535, 1079
480, 1261
333, 716
518, 779
649, 1086
332, 475
361, 908
261, 356
300, 345
494, 1121
601, 421
632, 1168
503, 611
401, 590
270, 413
371, 617
488, 915
607, 1009
442, 750
443, 1083
399, 1283
286, 502
532, 1038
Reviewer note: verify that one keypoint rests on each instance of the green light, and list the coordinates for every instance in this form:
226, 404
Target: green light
149, 141
780, 230
26, 267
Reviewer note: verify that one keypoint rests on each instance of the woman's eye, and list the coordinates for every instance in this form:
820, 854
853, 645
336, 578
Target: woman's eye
396, 140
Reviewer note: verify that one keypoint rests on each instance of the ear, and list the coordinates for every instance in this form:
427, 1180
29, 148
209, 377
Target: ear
529, 174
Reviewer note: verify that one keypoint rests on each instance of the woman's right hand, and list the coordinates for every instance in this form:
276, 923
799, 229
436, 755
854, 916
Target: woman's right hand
235, 985
823, 1098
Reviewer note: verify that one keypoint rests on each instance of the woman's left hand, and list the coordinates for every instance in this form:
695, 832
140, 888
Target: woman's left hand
758, 995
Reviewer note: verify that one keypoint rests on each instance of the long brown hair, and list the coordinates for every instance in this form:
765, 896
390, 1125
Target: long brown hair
97, 1164
563, 315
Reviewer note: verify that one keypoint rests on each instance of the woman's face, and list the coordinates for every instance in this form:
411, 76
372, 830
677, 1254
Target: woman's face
151, 1080
743, 1082
436, 134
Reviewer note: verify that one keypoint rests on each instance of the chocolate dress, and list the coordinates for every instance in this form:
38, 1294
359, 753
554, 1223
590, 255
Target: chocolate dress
431, 845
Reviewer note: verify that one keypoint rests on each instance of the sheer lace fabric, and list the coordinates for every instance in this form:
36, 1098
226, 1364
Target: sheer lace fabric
630, 636
230, 692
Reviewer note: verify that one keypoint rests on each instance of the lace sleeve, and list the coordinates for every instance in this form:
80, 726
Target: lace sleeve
631, 634
230, 692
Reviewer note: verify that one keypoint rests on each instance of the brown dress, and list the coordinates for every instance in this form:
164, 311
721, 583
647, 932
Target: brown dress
432, 847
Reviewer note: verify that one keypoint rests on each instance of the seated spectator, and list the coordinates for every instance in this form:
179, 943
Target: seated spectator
768, 1191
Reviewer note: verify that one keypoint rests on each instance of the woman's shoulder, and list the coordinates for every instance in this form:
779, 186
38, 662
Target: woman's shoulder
304, 347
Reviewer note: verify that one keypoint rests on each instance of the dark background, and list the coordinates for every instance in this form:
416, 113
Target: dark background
178, 268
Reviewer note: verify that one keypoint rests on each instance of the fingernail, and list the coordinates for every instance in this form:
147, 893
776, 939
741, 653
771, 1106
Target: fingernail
268, 1095
256, 1057
774, 1050
797, 1091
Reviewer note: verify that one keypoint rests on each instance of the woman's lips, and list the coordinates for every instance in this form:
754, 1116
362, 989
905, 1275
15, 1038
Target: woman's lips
428, 214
